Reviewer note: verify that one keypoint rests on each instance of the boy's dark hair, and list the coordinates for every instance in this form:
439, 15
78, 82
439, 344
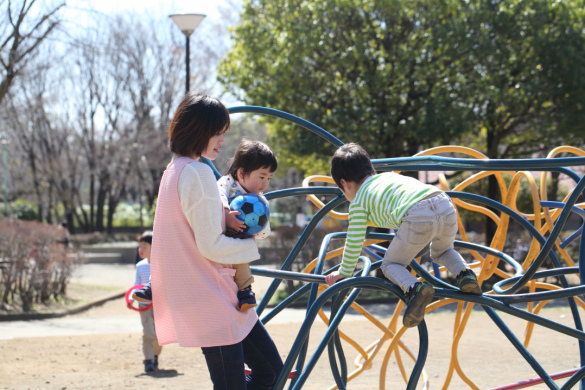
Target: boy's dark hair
252, 155
351, 162
146, 237
197, 119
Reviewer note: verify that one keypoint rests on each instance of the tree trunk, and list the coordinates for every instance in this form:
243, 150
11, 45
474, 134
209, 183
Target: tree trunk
553, 190
92, 222
99, 215
112, 204
493, 190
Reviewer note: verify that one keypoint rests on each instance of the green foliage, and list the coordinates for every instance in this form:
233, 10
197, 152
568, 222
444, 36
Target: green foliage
398, 76
128, 214
23, 210
364, 70
520, 80
241, 126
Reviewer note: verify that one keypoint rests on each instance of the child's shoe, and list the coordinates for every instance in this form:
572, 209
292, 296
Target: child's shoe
155, 362
467, 282
417, 299
143, 295
149, 366
246, 299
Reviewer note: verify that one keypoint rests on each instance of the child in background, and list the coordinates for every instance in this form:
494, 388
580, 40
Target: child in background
251, 169
423, 215
150, 347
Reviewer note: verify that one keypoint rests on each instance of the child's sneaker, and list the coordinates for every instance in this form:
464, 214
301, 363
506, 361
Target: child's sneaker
467, 282
417, 299
246, 299
149, 366
155, 363
143, 295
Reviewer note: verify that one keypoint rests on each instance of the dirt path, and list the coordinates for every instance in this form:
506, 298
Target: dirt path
114, 361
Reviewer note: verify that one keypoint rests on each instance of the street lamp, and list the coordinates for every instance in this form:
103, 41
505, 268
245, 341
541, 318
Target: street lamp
187, 23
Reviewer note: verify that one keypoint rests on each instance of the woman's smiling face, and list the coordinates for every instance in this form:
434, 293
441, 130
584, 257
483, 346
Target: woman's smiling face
213, 146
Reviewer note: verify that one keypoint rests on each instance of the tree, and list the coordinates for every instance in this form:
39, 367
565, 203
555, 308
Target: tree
522, 84
90, 114
24, 25
524, 81
400, 76
373, 72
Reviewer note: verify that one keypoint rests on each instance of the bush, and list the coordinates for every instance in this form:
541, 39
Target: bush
34, 263
23, 210
128, 214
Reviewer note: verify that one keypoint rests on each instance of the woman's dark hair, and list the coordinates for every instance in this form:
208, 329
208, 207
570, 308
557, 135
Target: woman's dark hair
252, 155
351, 162
197, 119
146, 237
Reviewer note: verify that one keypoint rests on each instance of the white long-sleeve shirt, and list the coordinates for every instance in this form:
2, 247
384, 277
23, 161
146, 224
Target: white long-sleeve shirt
201, 204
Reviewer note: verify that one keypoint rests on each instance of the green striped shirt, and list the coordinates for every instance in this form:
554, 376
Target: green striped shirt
382, 199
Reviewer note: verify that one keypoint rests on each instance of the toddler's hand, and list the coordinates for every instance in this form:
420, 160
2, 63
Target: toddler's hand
333, 277
232, 221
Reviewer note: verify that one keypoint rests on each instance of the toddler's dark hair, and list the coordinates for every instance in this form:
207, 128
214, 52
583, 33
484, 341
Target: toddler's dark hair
252, 155
146, 237
351, 162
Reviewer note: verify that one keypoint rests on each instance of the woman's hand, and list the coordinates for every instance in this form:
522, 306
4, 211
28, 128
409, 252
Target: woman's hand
333, 277
232, 221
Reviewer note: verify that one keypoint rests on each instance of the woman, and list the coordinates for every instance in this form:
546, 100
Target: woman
193, 286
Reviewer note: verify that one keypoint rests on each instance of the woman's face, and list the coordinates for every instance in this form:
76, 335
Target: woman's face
213, 146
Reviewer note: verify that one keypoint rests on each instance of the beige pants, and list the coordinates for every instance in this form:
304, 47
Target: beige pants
243, 276
150, 347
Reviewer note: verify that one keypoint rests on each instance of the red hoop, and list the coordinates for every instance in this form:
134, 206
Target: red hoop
129, 299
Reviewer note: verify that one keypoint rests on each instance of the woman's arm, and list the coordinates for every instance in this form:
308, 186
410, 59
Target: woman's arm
203, 209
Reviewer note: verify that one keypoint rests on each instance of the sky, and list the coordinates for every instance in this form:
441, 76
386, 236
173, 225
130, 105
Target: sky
208, 7
79, 10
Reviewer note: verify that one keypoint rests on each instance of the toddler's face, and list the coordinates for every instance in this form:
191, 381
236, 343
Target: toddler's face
255, 182
144, 250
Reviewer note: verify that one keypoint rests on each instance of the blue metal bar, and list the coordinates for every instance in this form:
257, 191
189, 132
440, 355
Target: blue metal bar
375, 283
500, 302
362, 282
216, 173
487, 300
515, 216
435, 281
289, 117
334, 348
302, 191
472, 164
314, 291
577, 210
297, 248
518, 345
335, 321
574, 379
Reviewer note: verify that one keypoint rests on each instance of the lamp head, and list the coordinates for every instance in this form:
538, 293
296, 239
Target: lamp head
187, 23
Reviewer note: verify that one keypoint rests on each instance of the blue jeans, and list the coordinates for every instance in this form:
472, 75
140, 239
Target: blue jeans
257, 350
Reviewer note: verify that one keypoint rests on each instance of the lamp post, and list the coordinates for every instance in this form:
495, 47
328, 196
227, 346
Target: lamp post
187, 23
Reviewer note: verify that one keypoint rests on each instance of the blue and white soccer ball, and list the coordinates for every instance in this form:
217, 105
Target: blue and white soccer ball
254, 212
